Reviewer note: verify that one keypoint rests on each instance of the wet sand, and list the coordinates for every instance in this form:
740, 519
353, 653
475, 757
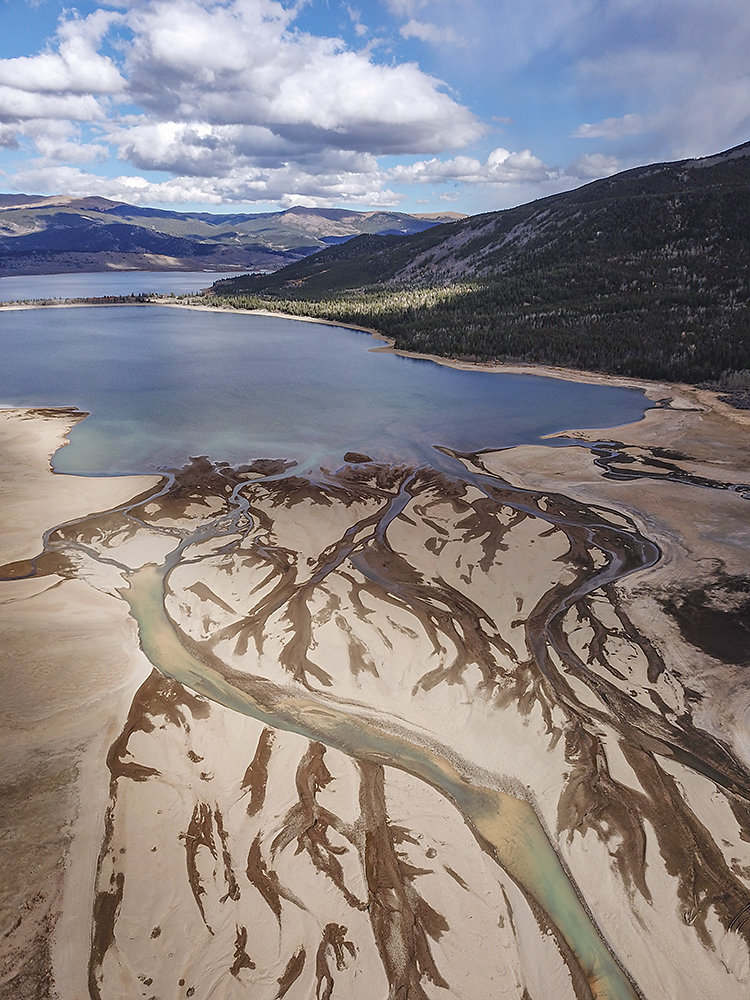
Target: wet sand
565, 626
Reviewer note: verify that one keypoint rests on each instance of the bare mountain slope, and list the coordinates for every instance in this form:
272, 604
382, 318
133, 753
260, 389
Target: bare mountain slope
47, 234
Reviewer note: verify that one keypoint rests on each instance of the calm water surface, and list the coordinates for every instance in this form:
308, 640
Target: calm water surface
164, 384
20, 287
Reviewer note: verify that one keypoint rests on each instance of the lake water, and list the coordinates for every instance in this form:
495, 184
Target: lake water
20, 287
164, 384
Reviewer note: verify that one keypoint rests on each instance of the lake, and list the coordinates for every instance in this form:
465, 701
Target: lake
20, 287
163, 384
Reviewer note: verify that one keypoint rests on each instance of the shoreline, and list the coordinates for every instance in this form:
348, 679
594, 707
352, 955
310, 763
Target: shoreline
493, 367
70, 668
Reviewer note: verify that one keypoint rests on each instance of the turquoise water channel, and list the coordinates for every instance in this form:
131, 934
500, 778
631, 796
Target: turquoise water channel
507, 825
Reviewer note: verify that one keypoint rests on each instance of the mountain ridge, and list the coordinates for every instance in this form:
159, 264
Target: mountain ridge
644, 273
43, 234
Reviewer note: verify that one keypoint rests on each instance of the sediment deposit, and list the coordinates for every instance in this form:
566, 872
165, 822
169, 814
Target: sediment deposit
383, 731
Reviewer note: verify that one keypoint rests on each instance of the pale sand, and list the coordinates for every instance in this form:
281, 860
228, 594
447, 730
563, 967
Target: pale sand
383, 671
391, 664
32, 499
70, 665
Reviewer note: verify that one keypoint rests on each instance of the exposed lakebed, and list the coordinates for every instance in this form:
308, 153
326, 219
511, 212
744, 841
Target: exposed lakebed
364, 633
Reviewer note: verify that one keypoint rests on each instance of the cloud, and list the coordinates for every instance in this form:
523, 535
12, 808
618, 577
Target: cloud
135, 190
228, 96
74, 68
681, 65
611, 128
240, 64
233, 100
431, 33
501, 167
355, 16
406, 8
197, 148
284, 186
61, 142
17, 105
8, 137
201, 149
70, 151
222, 165
591, 166
66, 82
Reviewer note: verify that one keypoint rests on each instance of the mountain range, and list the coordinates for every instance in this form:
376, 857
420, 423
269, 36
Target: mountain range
644, 273
54, 234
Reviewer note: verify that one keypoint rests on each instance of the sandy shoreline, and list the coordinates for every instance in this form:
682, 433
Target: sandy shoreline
239, 850
70, 667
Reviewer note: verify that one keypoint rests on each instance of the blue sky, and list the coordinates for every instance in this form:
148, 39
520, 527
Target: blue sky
421, 105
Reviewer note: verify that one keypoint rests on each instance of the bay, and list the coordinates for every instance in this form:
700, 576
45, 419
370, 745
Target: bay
163, 384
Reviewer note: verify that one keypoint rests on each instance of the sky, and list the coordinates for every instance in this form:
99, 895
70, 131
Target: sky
417, 105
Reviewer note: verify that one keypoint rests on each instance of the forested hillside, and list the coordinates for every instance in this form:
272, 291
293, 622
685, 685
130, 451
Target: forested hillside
645, 273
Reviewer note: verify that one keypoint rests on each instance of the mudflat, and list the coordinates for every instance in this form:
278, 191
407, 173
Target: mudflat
381, 731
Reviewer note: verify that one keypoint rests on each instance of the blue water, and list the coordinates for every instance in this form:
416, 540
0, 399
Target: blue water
165, 384
17, 288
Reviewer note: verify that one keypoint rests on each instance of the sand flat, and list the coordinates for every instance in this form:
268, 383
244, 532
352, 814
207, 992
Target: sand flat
458, 668
70, 665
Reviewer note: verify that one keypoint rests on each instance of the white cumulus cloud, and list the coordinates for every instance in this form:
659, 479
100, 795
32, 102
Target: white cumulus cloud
501, 167
230, 97
73, 67
232, 100
240, 63
16, 105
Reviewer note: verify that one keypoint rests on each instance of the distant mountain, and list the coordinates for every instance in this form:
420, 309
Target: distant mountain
47, 234
644, 273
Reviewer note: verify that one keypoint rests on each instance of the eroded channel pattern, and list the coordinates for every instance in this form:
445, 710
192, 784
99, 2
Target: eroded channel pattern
473, 623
